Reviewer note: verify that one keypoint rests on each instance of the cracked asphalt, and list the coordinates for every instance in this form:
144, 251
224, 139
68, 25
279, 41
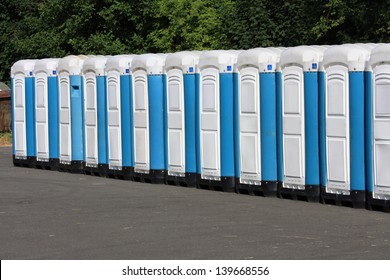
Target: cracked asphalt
52, 215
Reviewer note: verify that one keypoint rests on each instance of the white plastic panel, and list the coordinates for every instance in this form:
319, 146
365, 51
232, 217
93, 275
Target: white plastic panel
90, 125
337, 129
41, 113
141, 122
249, 122
65, 124
210, 124
20, 116
381, 131
293, 128
176, 125
114, 120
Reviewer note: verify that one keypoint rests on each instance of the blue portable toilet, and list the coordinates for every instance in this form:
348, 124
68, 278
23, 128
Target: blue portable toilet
378, 128
71, 107
298, 132
95, 110
255, 122
119, 117
23, 117
342, 135
180, 135
149, 84
215, 115
46, 113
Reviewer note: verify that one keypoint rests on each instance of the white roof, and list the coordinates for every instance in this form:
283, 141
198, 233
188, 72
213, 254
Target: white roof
120, 63
183, 60
260, 58
223, 60
46, 65
25, 67
95, 64
379, 54
71, 64
151, 63
353, 56
305, 56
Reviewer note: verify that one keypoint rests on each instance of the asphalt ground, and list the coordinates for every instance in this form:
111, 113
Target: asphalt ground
53, 215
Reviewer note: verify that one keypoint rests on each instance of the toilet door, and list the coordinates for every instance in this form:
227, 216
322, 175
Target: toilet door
41, 113
65, 124
249, 128
337, 129
210, 124
176, 125
90, 125
381, 131
293, 128
20, 116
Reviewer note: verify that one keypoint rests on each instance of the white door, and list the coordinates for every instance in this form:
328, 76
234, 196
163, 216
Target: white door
210, 124
20, 116
114, 120
249, 114
90, 111
141, 122
65, 123
293, 128
381, 129
337, 129
176, 124
41, 113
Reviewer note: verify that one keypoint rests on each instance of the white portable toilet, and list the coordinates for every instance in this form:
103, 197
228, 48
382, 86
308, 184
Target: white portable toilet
342, 83
46, 113
119, 117
215, 114
71, 103
149, 101
95, 108
299, 131
181, 98
255, 118
23, 117
378, 128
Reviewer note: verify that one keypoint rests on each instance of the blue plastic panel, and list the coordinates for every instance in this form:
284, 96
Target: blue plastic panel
190, 135
53, 112
77, 117
102, 120
322, 127
369, 132
30, 117
279, 127
236, 126
126, 113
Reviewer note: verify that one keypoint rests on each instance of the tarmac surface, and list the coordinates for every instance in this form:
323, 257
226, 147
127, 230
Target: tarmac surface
53, 215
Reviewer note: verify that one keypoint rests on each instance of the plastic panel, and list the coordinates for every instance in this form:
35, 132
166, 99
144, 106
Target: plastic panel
65, 125
176, 122
41, 111
19, 116
209, 124
293, 127
90, 110
337, 129
249, 126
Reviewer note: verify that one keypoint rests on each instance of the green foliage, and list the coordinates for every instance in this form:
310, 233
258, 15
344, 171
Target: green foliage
56, 28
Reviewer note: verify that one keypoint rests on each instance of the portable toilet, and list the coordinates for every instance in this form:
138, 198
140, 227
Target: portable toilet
215, 129
71, 106
149, 81
180, 109
23, 118
119, 117
298, 124
255, 118
95, 109
46, 113
378, 128
342, 136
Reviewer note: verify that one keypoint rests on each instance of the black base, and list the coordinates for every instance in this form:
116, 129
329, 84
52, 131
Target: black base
75, 167
356, 199
266, 189
99, 171
28, 162
153, 177
311, 193
226, 184
52, 164
189, 180
377, 204
125, 174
